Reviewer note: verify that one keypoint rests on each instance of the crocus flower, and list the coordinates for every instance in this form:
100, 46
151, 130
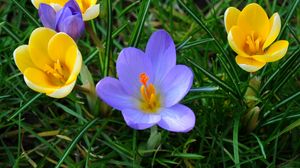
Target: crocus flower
68, 19
150, 86
48, 66
251, 34
88, 8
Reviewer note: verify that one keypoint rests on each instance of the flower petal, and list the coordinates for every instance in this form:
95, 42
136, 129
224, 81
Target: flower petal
161, 50
139, 120
91, 13
38, 46
58, 51
176, 85
230, 17
275, 52
254, 18
63, 91
37, 3
177, 118
61, 16
236, 39
68, 54
275, 25
22, 58
73, 26
111, 92
38, 81
72, 4
130, 64
249, 64
47, 16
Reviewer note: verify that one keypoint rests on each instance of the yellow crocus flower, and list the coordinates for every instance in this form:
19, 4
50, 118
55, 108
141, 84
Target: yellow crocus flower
251, 34
50, 62
89, 8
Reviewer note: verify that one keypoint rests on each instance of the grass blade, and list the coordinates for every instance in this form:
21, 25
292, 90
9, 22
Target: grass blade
27, 13
234, 78
215, 79
108, 38
236, 141
74, 142
134, 41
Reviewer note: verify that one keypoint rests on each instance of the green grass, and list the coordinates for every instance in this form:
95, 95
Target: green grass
38, 131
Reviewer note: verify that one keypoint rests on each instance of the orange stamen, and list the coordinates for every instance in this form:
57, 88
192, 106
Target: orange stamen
144, 78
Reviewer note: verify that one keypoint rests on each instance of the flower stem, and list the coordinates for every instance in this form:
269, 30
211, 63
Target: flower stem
82, 89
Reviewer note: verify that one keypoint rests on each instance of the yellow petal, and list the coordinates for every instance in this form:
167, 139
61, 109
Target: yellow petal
249, 64
275, 25
254, 18
236, 39
38, 46
275, 52
60, 2
63, 91
74, 62
38, 81
59, 45
91, 13
22, 58
230, 17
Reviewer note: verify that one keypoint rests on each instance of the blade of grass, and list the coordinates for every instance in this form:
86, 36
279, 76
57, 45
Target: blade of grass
234, 78
260, 145
215, 79
194, 43
69, 111
236, 156
108, 38
24, 106
27, 13
134, 40
288, 17
74, 142
281, 70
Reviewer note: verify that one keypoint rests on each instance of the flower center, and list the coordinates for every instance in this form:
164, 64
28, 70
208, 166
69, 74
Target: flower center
150, 99
57, 73
254, 44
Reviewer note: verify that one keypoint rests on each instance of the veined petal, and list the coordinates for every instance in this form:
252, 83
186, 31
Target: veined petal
236, 39
176, 85
38, 46
22, 58
110, 90
254, 18
38, 81
275, 25
58, 51
161, 50
91, 13
249, 64
139, 120
63, 91
73, 26
230, 17
47, 16
177, 118
275, 52
130, 64
72, 4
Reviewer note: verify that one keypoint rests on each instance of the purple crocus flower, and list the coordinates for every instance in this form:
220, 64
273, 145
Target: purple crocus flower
150, 86
68, 19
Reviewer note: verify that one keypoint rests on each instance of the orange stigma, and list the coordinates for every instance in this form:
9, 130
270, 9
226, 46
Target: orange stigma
149, 98
144, 78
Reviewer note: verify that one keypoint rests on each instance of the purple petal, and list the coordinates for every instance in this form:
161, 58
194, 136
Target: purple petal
161, 50
139, 120
111, 92
62, 15
47, 16
176, 85
72, 4
177, 118
73, 26
130, 64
